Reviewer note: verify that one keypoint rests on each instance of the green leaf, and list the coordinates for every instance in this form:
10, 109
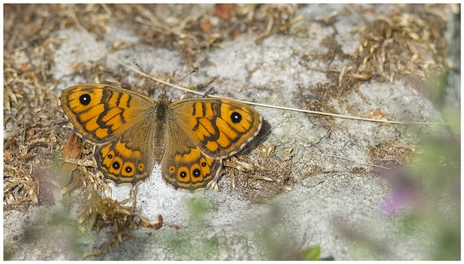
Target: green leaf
311, 253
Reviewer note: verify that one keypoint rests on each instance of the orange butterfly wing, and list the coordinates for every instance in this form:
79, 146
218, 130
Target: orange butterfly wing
115, 120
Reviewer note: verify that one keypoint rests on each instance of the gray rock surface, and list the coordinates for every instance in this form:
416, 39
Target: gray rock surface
323, 209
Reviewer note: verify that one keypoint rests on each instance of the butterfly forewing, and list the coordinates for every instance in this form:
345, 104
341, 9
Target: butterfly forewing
219, 127
101, 112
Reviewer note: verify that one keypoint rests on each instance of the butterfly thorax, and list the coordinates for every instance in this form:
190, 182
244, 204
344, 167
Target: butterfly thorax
161, 108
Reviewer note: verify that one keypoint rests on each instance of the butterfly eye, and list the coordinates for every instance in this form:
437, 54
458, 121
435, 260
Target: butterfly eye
84, 99
236, 117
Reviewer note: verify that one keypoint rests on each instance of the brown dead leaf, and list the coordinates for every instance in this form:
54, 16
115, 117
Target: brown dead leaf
30, 134
376, 114
223, 10
72, 150
45, 186
144, 222
7, 155
25, 66
206, 25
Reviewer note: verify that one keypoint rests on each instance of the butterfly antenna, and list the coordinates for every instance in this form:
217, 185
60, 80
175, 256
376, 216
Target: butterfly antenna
172, 85
193, 71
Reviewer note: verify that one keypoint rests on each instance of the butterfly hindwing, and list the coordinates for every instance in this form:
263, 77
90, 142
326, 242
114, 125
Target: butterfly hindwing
184, 165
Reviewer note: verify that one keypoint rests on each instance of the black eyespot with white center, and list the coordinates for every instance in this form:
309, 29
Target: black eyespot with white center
85, 99
116, 165
183, 174
236, 117
196, 173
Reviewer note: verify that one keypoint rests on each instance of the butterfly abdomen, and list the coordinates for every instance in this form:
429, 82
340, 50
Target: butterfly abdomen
159, 133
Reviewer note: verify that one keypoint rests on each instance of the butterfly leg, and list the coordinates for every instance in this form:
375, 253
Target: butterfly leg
213, 185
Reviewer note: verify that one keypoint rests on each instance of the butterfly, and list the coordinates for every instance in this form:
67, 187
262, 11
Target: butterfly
131, 132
